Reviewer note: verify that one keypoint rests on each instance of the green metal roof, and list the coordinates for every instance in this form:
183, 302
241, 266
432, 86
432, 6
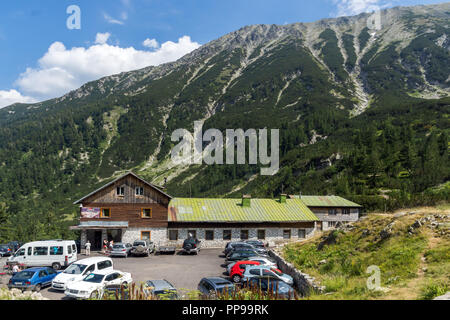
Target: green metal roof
231, 210
326, 201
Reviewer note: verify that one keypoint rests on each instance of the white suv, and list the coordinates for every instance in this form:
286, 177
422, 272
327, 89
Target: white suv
79, 269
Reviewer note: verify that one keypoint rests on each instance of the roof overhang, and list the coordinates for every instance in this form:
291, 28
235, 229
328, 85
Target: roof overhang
100, 225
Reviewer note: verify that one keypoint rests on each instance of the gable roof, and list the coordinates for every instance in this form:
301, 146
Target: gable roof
119, 178
231, 210
326, 201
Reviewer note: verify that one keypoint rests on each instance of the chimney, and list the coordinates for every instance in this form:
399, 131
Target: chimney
283, 197
246, 200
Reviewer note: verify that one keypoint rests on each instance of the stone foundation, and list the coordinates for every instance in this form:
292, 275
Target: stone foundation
273, 235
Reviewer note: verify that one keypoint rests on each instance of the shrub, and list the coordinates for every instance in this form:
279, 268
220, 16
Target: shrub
433, 290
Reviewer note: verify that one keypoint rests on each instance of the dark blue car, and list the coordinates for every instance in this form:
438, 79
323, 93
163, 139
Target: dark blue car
32, 278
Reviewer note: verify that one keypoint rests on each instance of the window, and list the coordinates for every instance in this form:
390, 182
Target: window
266, 272
120, 191
90, 269
29, 251
261, 234
226, 234
40, 251
139, 191
145, 235
173, 235
255, 272
69, 249
56, 251
332, 212
244, 234
50, 271
209, 235
301, 233
146, 213
105, 213
42, 274
21, 252
104, 264
192, 233
331, 224
346, 211
287, 234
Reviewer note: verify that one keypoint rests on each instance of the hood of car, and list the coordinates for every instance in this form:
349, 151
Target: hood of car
84, 286
67, 277
287, 278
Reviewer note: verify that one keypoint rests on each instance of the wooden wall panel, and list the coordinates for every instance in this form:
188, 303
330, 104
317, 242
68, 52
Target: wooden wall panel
108, 195
132, 214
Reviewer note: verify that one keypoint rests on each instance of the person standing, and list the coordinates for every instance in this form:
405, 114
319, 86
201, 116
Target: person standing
88, 248
105, 246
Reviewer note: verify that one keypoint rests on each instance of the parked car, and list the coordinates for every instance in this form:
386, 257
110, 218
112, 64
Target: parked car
256, 243
32, 278
142, 247
54, 253
5, 250
273, 286
215, 285
242, 255
121, 250
191, 245
94, 284
265, 261
234, 245
80, 269
245, 246
14, 245
236, 273
258, 271
161, 289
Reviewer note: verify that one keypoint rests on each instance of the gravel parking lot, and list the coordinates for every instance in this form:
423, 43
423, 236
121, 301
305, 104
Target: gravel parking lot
183, 271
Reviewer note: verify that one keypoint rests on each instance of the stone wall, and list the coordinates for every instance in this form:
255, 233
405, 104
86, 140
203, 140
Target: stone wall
302, 281
274, 236
157, 234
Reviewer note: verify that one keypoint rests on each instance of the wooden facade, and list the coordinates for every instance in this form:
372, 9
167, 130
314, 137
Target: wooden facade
134, 198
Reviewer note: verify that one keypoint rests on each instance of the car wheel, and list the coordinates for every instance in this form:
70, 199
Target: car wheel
236, 278
37, 288
56, 266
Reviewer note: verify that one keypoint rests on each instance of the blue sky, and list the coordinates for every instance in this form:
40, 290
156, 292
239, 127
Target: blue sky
41, 58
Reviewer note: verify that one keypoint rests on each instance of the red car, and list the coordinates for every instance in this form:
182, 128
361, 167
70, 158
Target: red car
239, 268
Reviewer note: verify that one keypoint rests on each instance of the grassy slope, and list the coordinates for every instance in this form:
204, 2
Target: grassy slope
412, 266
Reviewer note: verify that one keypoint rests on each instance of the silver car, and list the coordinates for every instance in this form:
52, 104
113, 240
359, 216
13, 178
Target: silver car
268, 262
121, 250
263, 271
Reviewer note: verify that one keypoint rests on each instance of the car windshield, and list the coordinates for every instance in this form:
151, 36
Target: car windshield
75, 268
24, 275
139, 243
96, 278
118, 246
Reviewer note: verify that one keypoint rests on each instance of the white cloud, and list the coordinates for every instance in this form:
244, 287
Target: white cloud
353, 7
111, 20
13, 96
102, 38
150, 43
61, 69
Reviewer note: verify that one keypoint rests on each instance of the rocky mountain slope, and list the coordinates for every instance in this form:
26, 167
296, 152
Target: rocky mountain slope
344, 97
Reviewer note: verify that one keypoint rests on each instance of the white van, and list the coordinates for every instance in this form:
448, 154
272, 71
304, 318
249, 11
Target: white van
49, 253
79, 269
